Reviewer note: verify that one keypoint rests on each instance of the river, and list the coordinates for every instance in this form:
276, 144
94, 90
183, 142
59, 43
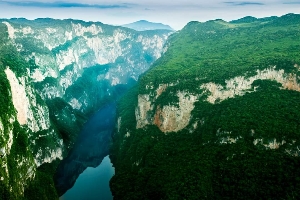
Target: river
85, 173
92, 184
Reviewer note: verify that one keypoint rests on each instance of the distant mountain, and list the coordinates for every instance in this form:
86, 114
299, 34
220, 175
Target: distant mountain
144, 25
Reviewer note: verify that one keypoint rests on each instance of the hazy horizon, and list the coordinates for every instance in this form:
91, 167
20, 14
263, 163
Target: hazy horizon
176, 13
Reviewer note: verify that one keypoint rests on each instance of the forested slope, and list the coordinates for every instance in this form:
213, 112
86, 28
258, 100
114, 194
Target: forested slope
216, 117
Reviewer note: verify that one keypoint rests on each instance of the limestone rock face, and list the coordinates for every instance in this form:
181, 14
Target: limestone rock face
68, 69
168, 118
172, 118
29, 112
144, 106
60, 44
238, 86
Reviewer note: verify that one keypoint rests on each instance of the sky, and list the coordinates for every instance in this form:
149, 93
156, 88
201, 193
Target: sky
176, 13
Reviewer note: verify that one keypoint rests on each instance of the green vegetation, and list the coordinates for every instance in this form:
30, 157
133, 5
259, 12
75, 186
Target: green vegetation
65, 46
42, 187
31, 43
67, 69
11, 58
88, 85
218, 50
232, 153
21, 149
3, 34
66, 120
47, 82
39, 22
97, 91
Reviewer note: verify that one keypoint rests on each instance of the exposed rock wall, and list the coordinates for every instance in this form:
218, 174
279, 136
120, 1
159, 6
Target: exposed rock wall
240, 85
144, 106
29, 112
57, 53
82, 46
168, 118
174, 118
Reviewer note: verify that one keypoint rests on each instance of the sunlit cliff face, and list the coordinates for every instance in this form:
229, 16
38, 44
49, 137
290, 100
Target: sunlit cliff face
61, 51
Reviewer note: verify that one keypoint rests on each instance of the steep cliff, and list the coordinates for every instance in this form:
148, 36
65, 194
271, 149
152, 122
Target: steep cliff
54, 74
216, 117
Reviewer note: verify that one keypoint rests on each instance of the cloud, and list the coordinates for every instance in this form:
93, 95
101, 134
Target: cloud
63, 4
244, 3
294, 2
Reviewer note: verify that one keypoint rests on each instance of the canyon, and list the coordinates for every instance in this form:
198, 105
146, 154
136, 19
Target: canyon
210, 111
57, 74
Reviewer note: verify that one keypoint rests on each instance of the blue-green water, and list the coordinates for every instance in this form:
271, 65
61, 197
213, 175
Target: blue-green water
92, 184
85, 173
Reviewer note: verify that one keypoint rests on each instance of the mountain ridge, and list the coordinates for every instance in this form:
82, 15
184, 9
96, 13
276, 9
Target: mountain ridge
217, 116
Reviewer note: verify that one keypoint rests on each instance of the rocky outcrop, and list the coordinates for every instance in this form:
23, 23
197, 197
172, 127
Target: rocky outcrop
143, 108
168, 118
240, 85
29, 112
83, 45
35, 116
175, 118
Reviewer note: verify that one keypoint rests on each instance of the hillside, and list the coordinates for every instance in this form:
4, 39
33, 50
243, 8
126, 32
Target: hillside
216, 117
54, 75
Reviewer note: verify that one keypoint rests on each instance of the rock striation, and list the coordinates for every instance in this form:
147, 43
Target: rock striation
60, 73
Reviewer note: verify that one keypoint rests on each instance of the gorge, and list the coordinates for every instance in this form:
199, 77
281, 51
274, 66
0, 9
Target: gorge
208, 112
55, 75
90, 148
